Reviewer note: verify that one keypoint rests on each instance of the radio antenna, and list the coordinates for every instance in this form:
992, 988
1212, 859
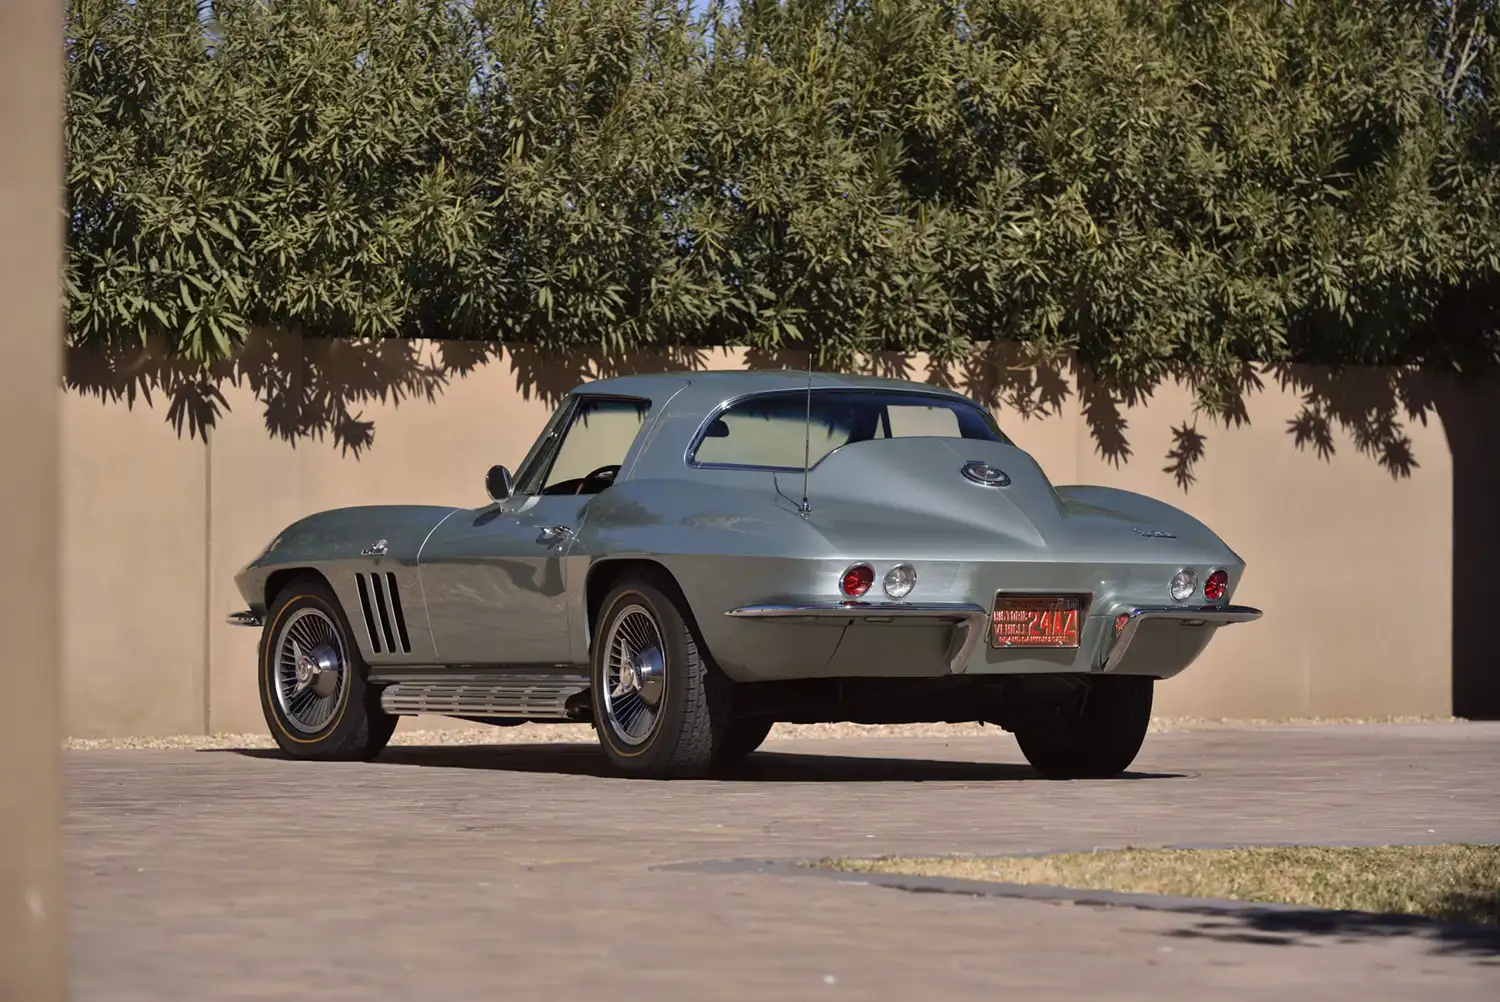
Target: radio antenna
805, 508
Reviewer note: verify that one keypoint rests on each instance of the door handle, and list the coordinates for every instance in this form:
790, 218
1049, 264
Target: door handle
554, 534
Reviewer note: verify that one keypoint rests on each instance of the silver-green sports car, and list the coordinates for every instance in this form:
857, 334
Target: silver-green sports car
682, 560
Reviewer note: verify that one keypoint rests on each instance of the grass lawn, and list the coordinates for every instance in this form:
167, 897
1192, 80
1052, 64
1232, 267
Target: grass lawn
1453, 882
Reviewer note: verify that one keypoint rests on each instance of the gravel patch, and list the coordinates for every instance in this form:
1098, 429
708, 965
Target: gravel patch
479, 734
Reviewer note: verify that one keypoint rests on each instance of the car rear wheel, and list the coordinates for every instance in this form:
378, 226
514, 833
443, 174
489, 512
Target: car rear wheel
313, 691
1101, 740
743, 737
660, 707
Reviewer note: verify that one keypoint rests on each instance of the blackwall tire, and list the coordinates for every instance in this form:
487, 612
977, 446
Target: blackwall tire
744, 736
1102, 740
306, 640
660, 707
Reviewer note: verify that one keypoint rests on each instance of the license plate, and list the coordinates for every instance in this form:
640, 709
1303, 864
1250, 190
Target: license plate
1035, 621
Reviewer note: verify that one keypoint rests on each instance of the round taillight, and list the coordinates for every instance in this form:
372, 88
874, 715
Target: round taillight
1184, 583
857, 580
900, 580
1215, 584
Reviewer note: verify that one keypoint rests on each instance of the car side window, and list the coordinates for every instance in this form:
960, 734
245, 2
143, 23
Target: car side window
529, 474
597, 440
772, 432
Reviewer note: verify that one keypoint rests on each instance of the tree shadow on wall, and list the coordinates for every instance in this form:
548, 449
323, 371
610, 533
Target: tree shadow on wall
307, 390
311, 389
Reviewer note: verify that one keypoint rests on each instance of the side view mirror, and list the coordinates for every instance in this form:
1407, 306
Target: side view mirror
497, 483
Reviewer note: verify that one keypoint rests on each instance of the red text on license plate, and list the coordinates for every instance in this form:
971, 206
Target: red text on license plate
1035, 621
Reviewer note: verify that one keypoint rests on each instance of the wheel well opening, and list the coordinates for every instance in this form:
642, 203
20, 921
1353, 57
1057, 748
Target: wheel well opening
603, 576
279, 579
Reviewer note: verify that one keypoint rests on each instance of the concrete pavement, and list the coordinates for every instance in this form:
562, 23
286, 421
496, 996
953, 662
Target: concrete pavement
531, 872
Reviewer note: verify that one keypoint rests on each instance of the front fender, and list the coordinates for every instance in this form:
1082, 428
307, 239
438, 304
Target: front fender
339, 537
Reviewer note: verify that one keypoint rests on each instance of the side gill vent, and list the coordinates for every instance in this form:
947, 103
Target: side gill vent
382, 609
395, 592
385, 620
364, 604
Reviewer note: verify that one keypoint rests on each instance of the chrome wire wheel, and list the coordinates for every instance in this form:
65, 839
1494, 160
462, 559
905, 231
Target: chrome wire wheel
311, 670
635, 675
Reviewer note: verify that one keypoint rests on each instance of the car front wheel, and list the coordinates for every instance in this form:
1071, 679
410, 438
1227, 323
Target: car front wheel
312, 679
1101, 740
660, 707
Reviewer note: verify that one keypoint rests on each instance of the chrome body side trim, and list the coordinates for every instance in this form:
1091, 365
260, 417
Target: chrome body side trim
970, 620
246, 617
1186, 615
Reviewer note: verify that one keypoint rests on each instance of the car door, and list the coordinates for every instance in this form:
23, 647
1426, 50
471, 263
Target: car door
494, 577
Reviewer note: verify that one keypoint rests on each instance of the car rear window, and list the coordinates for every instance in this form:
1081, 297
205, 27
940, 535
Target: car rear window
767, 430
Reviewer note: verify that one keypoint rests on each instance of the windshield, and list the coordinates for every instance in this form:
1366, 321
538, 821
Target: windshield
767, 430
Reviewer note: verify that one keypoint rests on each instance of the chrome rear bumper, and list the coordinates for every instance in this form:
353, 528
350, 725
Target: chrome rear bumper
1186, 616
246, 617
970, 620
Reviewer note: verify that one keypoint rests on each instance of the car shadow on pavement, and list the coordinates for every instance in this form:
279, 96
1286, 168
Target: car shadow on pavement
762, 766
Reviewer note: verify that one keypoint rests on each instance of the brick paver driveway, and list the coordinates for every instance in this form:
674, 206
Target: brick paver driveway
522, 872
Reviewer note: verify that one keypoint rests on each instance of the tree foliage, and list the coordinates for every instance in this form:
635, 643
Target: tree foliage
1157, 185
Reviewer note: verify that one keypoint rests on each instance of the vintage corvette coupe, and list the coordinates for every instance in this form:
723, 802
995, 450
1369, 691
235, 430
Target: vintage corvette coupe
682, 560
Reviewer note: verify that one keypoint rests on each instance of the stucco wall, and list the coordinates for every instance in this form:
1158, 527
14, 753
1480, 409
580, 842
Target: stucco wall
172, 482
34, 909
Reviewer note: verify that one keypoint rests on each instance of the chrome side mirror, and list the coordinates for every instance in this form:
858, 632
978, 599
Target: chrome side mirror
497, 483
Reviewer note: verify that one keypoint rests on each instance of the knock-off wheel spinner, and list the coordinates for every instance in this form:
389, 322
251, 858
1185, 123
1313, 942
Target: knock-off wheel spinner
317, 669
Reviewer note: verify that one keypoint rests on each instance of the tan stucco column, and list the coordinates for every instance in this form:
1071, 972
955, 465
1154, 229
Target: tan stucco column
31, 906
